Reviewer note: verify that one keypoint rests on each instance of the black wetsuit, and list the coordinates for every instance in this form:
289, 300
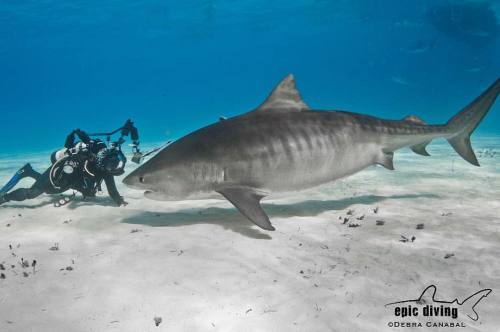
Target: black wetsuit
86, 180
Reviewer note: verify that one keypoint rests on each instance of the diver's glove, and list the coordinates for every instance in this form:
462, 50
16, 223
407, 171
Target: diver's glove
121, 202
3, 199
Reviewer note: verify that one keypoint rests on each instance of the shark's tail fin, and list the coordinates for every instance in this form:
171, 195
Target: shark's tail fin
463, 124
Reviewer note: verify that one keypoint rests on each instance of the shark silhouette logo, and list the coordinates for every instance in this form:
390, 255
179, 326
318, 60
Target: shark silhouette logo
428, 306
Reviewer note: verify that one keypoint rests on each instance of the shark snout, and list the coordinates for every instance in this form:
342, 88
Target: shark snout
134, 181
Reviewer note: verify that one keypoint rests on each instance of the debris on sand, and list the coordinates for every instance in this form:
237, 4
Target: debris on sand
55, 247
448, 256
346, 220
246, 312
2, 276
375, 210
25, 274
24, 264
446, 214
380, 222
361, 217
404, 239
135, 230
157, 321
420, 226
69, 268
2, 267
354, 225
67, 221
350, 212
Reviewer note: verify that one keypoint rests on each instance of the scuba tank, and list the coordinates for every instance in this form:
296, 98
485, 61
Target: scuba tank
65, 162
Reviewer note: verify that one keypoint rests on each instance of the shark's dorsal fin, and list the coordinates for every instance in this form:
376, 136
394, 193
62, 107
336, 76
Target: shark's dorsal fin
415, 119
284, 98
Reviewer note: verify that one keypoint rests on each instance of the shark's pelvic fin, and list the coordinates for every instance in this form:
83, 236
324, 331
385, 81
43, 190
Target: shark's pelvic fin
386, 159
419, 148
247, 201
284, 98
463, 124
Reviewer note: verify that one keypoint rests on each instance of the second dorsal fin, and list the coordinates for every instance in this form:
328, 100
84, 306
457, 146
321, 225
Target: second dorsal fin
284, 98
415, 119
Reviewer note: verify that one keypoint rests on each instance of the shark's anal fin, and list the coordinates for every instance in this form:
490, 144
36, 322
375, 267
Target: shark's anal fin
247, 201
386, 159
419, 148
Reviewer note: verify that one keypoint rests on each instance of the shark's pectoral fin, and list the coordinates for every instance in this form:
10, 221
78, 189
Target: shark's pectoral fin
386, 159
247, 201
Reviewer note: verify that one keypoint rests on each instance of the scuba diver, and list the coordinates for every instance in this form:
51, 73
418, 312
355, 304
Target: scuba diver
81, 166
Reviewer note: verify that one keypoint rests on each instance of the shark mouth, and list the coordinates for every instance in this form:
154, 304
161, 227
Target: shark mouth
152, 195
157, 195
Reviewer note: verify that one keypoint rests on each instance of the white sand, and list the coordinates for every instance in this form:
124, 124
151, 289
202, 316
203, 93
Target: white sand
202, 267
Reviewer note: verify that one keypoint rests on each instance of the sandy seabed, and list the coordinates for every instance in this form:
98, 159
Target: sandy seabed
339, 254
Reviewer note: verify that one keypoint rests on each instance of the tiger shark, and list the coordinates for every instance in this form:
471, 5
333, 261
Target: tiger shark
283, 145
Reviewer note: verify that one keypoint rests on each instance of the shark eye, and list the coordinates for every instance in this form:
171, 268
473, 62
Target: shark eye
141, 179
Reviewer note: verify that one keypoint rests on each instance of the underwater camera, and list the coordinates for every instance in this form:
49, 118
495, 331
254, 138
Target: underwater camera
137, 157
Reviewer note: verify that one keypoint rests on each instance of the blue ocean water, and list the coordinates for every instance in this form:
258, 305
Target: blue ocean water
173, 66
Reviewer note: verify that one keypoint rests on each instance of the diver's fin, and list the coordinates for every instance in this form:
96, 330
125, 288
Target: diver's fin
23, 172
463, 124
386, 159
284, 98
419, 148
247, 201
